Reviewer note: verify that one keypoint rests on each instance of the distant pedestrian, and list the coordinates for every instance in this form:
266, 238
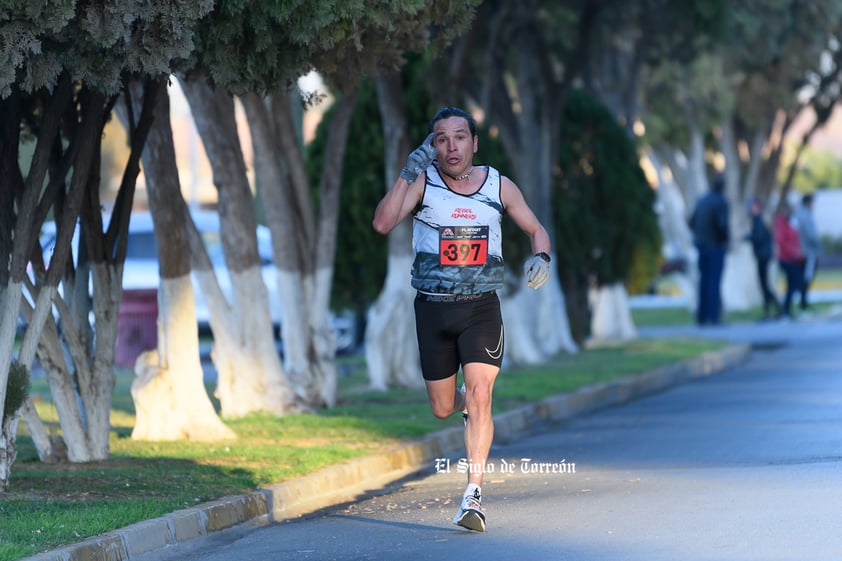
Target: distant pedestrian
811, 245
709, 223
762, 245
790, 254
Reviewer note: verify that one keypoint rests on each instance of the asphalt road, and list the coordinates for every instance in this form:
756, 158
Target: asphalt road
740, 466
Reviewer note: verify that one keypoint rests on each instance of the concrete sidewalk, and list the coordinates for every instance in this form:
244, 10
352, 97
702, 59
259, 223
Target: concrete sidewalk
347, 481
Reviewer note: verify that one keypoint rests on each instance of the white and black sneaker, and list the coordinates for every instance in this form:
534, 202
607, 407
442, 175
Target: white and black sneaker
470, 514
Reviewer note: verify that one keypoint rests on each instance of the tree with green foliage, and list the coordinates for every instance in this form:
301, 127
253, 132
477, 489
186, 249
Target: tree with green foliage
64, 65
603, 207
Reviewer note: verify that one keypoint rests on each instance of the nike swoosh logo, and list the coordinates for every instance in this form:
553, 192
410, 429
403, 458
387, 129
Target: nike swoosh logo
498, 352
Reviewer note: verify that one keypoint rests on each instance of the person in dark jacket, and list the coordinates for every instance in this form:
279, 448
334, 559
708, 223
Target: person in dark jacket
709, 223
762, 244
811, 244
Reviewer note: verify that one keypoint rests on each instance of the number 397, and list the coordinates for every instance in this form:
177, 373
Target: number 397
463, 253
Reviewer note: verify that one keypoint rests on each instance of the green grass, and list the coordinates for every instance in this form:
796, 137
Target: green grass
51, 505
677, 316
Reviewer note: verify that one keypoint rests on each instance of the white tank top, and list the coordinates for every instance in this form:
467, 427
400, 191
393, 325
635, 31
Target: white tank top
457, 239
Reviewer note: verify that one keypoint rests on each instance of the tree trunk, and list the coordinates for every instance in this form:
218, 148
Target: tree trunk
612, 320
81, 390
391, 348
8, 449
323, 381
740, 290
305, 266
391, 343
695, 186
250, 375
11, 298
577, 304
168, 391
530, 137
21, 200
531, 319
697, 181
672, 218
50, 448
8, 419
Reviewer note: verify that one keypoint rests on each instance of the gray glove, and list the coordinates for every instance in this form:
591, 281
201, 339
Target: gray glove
537, 270
419, 159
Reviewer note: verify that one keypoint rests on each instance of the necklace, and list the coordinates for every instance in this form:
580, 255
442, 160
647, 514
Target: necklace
463, 176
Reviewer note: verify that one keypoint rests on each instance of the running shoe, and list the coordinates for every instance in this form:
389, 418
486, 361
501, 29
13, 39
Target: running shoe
470, 514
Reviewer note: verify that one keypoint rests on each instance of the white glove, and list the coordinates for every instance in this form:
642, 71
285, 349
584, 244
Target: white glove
537, 271
419, 159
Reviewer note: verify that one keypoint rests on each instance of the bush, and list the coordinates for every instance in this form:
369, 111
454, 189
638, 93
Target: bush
17, 390
604, 216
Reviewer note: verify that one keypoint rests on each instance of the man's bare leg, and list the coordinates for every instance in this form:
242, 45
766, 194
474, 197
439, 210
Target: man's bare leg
445, 399
479, 434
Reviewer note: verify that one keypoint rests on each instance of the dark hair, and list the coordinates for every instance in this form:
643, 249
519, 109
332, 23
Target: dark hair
718, 184
448, 112
807, 199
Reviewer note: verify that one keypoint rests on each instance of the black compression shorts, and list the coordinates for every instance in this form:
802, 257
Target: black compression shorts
456, 331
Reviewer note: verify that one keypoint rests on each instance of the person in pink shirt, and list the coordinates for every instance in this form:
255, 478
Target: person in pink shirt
790, 254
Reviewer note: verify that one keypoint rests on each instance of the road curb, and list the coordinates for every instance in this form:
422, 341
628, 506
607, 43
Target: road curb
336, 484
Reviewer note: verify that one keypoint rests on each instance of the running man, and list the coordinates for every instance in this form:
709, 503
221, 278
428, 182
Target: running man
457, 210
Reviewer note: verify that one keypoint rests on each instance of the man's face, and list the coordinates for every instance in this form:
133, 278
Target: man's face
455, 144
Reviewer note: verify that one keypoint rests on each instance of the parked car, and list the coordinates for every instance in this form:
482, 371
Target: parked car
140, 270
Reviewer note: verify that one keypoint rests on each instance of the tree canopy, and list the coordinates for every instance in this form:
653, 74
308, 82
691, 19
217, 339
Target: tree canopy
97, 42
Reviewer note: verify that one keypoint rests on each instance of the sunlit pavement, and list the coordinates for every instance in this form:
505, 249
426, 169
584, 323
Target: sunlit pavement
743, 465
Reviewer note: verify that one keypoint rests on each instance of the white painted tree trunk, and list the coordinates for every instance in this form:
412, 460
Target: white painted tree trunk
249, 373
10, 298
170, 399
40, 330
87, 427
306, 327
323, 376
611, 320
168, 390
677, 237
536, 323
740, 285
8, 449
294, 328
81, 385
304, 239
672, 214
391, 344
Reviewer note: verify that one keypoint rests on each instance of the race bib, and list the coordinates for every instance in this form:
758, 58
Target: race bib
462, 246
